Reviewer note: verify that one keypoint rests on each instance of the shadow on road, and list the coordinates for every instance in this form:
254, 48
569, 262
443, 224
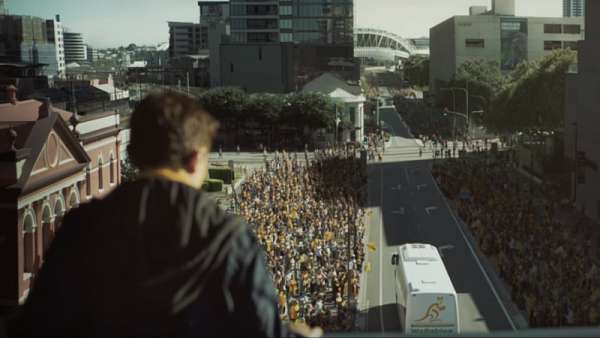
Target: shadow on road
389, 314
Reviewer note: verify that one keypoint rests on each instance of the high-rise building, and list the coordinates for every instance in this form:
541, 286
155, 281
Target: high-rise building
573, 7
187, 38
56, 36
3, 7
92, 54
500, 37
582, 118
26, 41
290, 41
306, 21
75, 47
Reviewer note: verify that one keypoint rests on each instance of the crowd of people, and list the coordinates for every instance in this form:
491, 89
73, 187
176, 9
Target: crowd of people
549, 265
309, 216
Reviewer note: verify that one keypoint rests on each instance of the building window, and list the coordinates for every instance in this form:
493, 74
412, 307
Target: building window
287, 37
100, 176
552, 45
88, 182
112, 169
572, 45
231, 67
474, 43
285, 10
572, 29
285, 24
260, 55
238, 23
552, 28
29, 242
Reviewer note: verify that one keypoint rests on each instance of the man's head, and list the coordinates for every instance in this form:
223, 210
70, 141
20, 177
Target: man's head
172, 132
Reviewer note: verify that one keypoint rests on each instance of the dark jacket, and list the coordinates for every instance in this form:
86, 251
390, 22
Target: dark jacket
155, 258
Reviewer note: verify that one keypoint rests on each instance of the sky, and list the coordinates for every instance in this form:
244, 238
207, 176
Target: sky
113, 23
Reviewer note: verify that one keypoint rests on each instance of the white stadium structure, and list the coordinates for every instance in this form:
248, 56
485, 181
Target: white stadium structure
385, 47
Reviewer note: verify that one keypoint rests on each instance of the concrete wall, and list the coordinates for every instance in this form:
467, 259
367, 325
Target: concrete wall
448, 41
582, 107
536, 35
486, 27
256, 67
442, 52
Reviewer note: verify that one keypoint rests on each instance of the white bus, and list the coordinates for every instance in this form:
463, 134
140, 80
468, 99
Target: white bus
427, 301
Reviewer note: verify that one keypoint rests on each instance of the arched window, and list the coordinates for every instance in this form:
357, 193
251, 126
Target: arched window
88, 182
46, 227
74, 198
112, 169
59, 211
100, 176
29, 242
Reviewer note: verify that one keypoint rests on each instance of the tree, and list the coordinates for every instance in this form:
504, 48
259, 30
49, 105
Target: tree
226, 104
129, 173
534, 98
416, 70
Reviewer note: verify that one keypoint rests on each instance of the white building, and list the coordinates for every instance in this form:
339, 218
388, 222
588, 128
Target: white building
349, 100
497, 35
582, 121
573, 8
56, 36
75, 48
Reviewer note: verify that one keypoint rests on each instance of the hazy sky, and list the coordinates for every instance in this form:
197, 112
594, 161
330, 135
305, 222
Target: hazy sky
111, 23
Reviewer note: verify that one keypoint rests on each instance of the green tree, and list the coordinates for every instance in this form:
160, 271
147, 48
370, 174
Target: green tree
534, 96
416, 70
129, 172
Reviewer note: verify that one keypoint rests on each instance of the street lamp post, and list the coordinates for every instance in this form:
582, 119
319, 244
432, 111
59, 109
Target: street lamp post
466, 91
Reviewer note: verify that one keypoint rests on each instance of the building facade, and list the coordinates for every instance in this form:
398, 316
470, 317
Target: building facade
582, 118
92, 54
25, 39
3, 7
573, 7
186, 38
56, 36
308, 38
51, 160
75, 47
506, 39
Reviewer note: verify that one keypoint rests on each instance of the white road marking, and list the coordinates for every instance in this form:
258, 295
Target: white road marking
421, 186
445, 247
398, 212
430, 209
487, 278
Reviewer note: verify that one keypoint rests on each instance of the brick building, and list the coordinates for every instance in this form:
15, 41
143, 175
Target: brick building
51, 160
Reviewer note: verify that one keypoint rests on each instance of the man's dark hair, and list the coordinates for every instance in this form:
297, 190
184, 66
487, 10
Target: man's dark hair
167, 128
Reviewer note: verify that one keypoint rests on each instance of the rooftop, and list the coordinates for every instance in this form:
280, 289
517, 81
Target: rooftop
425, 269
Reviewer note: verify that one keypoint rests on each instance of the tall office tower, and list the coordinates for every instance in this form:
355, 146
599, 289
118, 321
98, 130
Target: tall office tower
27, 41
300, 21
3, 7
573, 7
75, 47
295, 40
254, 22
55, 36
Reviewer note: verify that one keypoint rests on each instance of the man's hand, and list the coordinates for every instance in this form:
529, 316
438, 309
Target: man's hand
306, 331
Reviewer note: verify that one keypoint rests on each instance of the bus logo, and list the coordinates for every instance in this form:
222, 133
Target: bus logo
433, 311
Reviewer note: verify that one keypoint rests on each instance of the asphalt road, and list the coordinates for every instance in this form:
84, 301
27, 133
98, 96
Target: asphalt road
408, 207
